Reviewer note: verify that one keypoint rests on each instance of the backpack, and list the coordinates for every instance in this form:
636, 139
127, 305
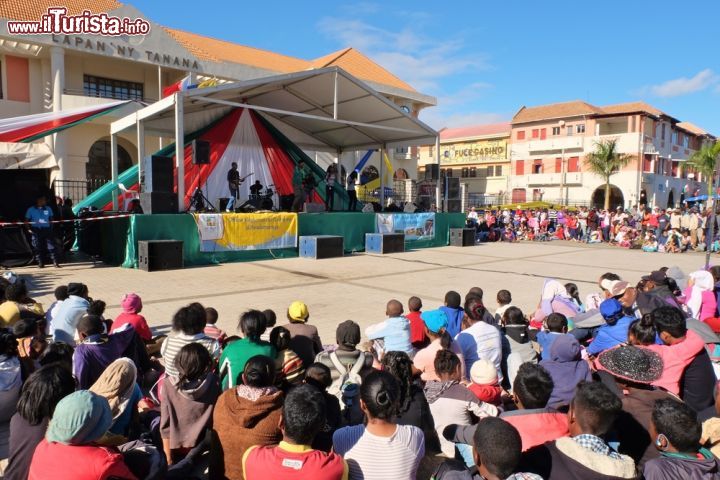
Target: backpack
347, 388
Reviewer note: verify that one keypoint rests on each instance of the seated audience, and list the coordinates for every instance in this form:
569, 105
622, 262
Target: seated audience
68, 314
318, 375
288, 366
479, 339
188, 325
270, 321
238, 352
454, 311
554, 325
517, 348
417, 327
504, 301
393, 334
118, 385
435, 329
303, 417
567, 369
131, 305
18, 304
380, 449
345, 355
61, 294
615, 330
212, 330
484, 382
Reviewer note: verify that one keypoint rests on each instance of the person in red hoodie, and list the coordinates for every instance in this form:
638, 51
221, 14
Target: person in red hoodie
485, 382
417, 327
131, 305
69, 450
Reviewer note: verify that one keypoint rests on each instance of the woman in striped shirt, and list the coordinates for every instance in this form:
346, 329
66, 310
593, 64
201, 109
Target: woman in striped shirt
188, 325
380, 449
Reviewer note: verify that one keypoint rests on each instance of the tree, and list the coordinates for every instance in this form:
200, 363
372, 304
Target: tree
605, 161
704, 161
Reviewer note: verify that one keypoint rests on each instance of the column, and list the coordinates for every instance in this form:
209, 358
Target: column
439, 179
114, 169
57, 79
180, 150
140, 151
382, 176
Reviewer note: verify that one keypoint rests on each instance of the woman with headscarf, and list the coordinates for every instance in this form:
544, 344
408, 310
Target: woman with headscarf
69, 450
348, 337
118, 384
700, 295
554, 299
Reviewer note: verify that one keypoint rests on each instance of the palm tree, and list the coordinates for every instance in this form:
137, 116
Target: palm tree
605, 161
704, 161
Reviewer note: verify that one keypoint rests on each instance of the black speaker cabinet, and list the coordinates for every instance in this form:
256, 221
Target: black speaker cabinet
154, 255
159, 175
452, 186
321, 246
222, 203
384, 243
201, 152
454, 206
159, 202
462, 237
432, 171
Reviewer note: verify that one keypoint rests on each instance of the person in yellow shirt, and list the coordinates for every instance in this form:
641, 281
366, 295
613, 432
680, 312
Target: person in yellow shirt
17, 303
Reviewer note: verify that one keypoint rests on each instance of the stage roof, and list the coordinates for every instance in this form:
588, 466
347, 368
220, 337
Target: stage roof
323, 109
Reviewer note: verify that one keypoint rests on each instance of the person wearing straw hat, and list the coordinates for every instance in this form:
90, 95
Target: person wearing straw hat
630, 371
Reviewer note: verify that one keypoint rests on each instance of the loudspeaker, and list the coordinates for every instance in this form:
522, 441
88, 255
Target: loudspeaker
321, 246
384, 242
453, 206
159, 202
159, 175
201, 152
462, 237
154, 255
222, 203
452, 187
432, 171
286, 202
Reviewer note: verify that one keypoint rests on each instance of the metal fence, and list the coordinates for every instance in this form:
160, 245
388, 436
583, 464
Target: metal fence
77, 190
482, 200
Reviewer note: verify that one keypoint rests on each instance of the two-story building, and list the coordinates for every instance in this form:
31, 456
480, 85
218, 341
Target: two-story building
478, 155
41, 73
549, 145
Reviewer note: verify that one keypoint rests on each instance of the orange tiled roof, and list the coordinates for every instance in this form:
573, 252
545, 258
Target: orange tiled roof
575, 108
361, 66
34, 9
692, 128
207, 48
475, 131
631, 107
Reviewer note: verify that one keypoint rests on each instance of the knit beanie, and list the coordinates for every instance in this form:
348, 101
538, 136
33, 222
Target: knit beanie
80, 418
483, 372
131, 303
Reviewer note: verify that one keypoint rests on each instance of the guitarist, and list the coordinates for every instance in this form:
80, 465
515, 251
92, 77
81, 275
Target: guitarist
233, 179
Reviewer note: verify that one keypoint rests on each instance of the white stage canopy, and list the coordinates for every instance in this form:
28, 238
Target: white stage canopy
26, 155
324, 109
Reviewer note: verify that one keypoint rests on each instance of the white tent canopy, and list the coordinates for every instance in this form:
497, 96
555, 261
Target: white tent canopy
324, 109
26, 155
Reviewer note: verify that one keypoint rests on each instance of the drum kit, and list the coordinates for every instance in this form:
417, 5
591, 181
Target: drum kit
263, 201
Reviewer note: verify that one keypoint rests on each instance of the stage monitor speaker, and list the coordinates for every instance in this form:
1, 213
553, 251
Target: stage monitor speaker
159, 202
286, 202
432, 171
384, 243
222, 203
159, 175
321, 246
201, 152
154, 255
452, 187
462, 237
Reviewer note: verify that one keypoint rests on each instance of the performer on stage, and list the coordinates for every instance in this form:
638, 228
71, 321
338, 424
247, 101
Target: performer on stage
233, 178
330, 177
256, 188
298, 184
352, 193
43, 241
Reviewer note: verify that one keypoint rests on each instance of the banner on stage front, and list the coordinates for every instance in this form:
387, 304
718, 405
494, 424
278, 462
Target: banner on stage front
415, 226
247, 231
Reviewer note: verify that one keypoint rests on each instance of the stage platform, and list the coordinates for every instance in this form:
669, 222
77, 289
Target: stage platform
119, 237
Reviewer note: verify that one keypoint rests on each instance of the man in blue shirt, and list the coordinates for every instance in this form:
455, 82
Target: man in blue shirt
43, 243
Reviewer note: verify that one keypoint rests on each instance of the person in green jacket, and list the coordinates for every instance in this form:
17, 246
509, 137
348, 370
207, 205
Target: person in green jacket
236, 354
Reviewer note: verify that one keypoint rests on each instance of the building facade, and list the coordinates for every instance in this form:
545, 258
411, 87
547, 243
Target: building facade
549, 145
478, 155
41, 73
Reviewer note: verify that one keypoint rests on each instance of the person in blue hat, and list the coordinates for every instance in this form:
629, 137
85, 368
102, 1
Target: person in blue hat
615, 330
436, 324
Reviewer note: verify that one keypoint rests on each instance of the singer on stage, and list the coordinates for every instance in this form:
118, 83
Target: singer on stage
233, 178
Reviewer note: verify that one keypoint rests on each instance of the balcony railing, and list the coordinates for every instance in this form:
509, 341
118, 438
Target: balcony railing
537, 179
82, 93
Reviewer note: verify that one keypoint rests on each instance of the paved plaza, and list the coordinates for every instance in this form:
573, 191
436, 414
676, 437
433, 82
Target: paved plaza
358, 286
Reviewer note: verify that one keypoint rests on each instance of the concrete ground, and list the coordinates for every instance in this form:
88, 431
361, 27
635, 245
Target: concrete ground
358, 286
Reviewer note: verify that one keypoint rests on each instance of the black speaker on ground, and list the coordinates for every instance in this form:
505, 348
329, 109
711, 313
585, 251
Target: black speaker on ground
321, 246
462, 237
432, 171
201, 152
154, 255
159, 202
384, 243
452, 187
159, 175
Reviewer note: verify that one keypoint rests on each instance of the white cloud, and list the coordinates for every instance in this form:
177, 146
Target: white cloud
683, 85
420, 60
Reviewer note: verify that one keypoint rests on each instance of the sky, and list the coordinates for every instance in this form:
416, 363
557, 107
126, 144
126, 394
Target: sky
484, 60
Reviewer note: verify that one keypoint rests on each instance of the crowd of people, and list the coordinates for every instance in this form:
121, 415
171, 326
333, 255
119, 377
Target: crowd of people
617, 384
671, 230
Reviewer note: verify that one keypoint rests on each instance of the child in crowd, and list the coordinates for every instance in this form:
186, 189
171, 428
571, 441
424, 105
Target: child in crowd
211, 329
97, 307
504, 301
188, 325
393, 334
270, 321
131, 305
188, 400
61, 294
319, 376
454, 312
417, 327
615, 330
485, 382
288, 366
555, 324
574, 293
237, 353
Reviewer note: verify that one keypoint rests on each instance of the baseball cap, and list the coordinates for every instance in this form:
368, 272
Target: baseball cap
656, 276
618, 287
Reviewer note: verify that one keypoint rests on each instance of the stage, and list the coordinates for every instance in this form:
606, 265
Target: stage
119, 237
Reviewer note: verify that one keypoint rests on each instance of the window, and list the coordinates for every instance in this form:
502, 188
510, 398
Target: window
520, 167
498, 170
686, 141
662, 132
465, 172
520, 135
473, 172
537, 167
674, 138
535, 133
556, 131
580, 128
107, 88
569, 130
482, 172
490, 171
573, 164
